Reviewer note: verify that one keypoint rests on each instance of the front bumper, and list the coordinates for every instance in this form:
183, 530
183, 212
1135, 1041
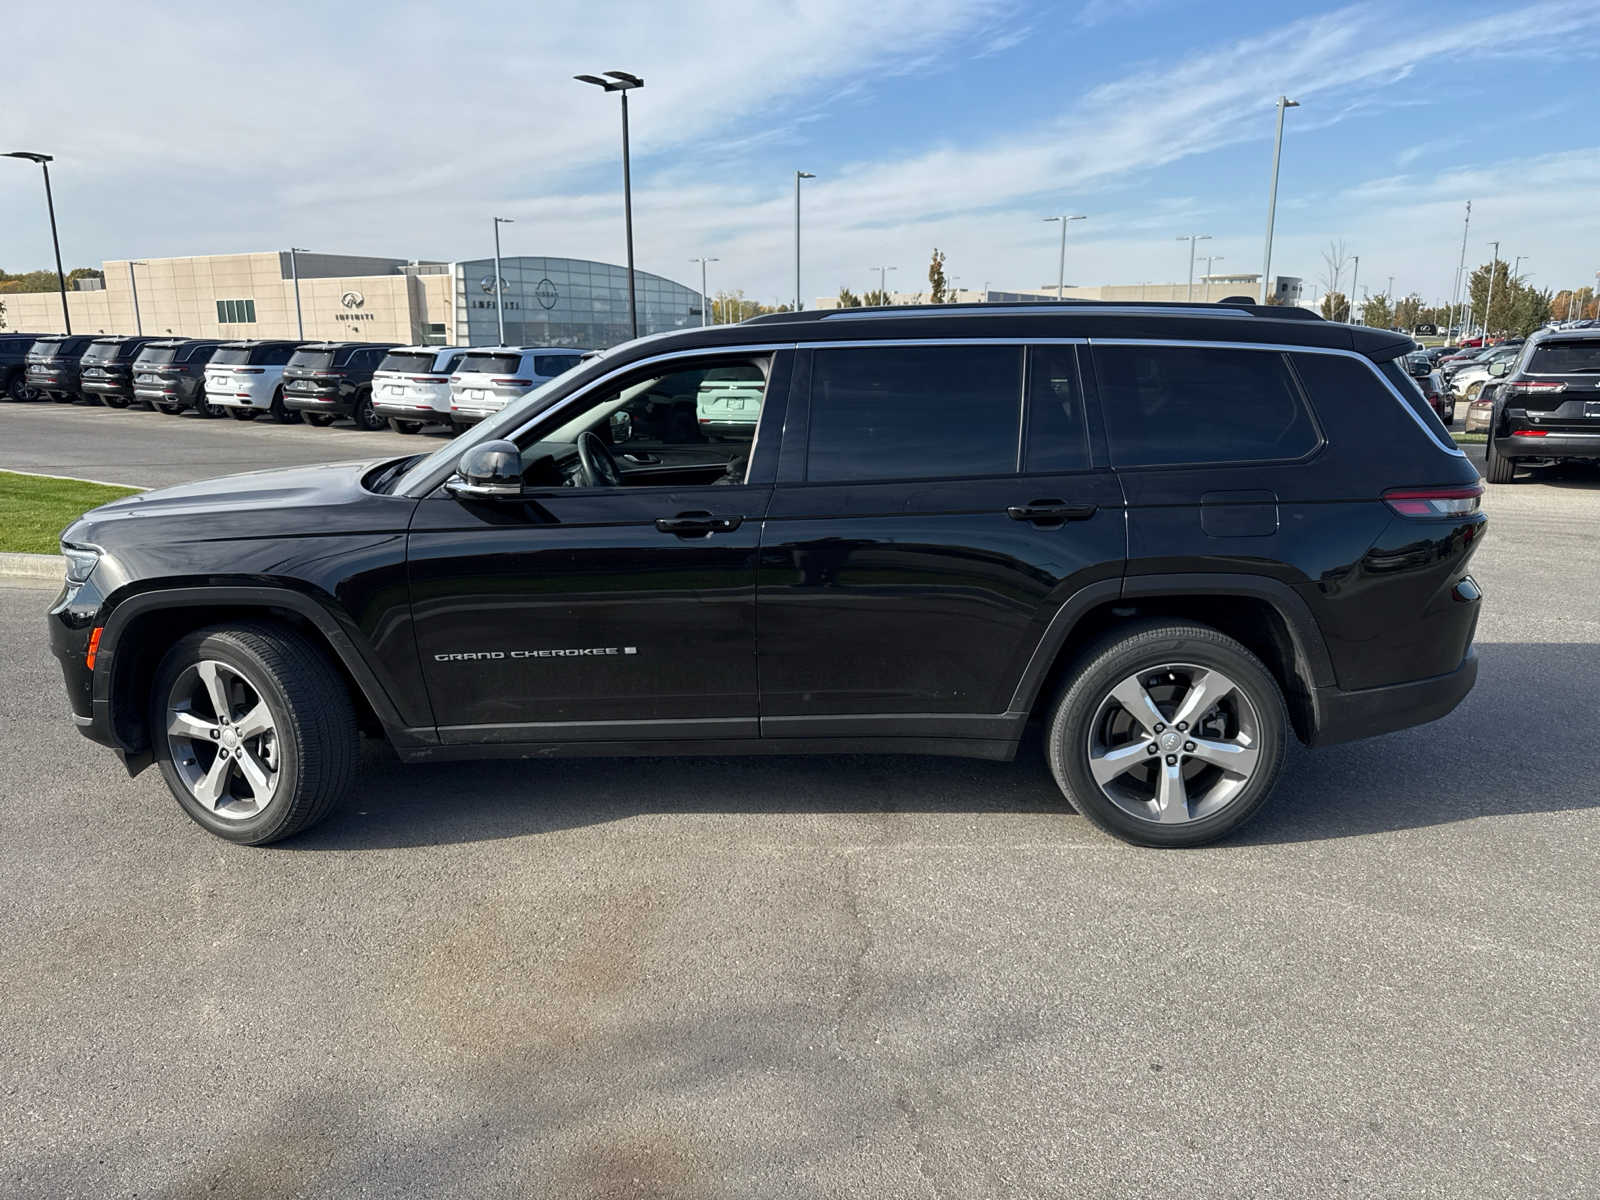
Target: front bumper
1344, 716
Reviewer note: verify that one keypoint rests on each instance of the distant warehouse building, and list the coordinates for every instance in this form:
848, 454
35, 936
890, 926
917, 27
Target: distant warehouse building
548, 301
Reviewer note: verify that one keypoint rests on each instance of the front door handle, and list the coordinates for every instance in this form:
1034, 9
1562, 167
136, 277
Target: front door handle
1050, 512
697, 524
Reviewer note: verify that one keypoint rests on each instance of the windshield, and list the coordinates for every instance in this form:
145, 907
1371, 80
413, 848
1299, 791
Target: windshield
490, 364
311, 358
1566, 358
151, 355
410, 361
101, 352
512, 416
229, 356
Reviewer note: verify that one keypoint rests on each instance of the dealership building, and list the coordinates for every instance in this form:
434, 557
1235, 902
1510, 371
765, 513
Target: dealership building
1286, 289
342, 297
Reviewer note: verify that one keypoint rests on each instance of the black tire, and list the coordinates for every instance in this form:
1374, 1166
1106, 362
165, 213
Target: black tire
242, 414
62, 397
114, 401
408, 427
171, 409
203, 408
280, 412
457, 428
319, 420
365, 416
1128, 651
19, 390
316, 741
1497, 468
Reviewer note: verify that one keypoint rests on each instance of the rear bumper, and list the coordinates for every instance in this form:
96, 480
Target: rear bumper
321, 402
1553, 445
1344, 716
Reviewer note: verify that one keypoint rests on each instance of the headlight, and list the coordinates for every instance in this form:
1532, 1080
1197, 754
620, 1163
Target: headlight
81, 562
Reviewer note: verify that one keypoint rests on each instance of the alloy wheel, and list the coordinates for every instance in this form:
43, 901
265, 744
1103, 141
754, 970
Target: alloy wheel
1174, 743
223, 739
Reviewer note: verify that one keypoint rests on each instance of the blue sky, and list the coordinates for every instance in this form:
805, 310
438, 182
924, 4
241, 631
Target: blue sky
400, 129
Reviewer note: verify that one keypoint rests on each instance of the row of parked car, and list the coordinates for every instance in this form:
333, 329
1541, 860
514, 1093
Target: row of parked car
373, 384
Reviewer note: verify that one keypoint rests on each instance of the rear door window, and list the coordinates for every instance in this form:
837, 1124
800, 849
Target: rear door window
1058, 433
893, 412
1169, 405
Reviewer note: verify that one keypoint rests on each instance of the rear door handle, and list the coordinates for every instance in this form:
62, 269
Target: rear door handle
697, 524
1053, 512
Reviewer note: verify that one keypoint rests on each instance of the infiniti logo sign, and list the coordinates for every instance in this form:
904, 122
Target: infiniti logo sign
352, 299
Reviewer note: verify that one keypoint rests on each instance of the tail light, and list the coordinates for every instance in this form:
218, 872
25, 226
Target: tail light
514, 382
1435, 502
1530, 433
432, 379
1535, 387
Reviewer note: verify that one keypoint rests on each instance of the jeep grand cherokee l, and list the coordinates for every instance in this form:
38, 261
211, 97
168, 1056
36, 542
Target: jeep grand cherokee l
105, 372
53, 365
171, 375
1178, 534
14, 349
328, 380
1546, 404
246, 379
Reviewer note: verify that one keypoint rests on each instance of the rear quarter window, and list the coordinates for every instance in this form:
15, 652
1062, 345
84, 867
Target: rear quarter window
546, 365
1358, 413
1172, 405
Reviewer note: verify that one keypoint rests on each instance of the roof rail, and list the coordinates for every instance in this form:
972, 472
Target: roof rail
1045, 308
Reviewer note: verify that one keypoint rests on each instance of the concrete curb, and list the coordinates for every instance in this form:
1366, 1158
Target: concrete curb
32, 566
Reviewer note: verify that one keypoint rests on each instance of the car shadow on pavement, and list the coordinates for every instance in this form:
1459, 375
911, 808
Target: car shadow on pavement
1520, 743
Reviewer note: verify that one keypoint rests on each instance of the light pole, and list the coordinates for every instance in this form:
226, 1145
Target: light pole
705, 300
1061, 265
1461, 271
294, 274
44, 161
1192, 238
133, 284
798, 176
1355, 274
1210, 259
1284, 103
620, 81
1389, 292
1488, 304
883, 276
1516, 268
499, 285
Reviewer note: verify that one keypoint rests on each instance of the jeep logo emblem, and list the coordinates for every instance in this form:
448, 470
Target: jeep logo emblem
352, 299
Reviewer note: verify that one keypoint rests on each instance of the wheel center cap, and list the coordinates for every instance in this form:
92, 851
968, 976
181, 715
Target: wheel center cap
230, 739
1171, 740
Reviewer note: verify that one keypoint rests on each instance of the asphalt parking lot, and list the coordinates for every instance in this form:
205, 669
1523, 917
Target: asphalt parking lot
800, 977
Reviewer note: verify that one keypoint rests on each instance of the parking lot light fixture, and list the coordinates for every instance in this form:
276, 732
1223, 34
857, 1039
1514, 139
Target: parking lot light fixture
1355, 274
1192, 238
883, 275
499, 284
44, 161
1284, 104
1061, 263
798, 176
622, 83
294, 275
1211, 261
705, 301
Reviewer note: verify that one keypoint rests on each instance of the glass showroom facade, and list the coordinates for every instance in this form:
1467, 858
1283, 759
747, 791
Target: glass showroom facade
565, 302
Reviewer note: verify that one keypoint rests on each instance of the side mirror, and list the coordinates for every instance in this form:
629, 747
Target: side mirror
489, 471
1497, 369
621, 427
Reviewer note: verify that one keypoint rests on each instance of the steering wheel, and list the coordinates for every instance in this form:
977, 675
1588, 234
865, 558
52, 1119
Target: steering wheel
595, 463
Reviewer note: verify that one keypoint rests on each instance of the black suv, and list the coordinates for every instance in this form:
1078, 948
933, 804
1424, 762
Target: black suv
1546, 403
105, 372
328, 380
1177, 534
53, 365
14, 384
170, 375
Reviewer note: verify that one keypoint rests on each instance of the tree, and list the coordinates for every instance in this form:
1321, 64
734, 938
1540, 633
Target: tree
2, 314
1334, 259
43, 281
876, 299
1335, 307
1517, 309
1568, 305
730, 307
1408, 311
1377, 312
847, 298
938, 289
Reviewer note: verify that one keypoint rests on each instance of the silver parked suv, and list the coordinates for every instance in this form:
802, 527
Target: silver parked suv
491, 377
411, 386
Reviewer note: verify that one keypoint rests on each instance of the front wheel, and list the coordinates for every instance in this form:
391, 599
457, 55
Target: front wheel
254, 731
1171, 734
1497, 467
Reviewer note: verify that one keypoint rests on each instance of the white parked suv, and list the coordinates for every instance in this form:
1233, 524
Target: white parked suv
490, 377
411, 386
246, 378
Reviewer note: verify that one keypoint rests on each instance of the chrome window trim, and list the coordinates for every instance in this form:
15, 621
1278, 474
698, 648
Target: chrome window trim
1048, 308
1292, 348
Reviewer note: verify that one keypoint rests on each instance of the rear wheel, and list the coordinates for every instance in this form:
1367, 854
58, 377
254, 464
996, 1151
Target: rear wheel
114, 401
320, 420
400, 426
242, 414
1497, 467
367, 417
280, 412
62, 397
203, 408
171, 408
253, 730
1171, 734
19, 390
